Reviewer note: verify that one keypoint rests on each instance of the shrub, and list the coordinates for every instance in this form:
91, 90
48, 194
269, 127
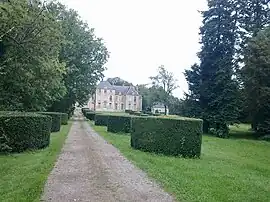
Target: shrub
85, 110
21, 131
127, 111
56, 120
131, 112
64, 119
137, 113
119, 124
90, 115
101, 120
144, 115
167, 136
265, 138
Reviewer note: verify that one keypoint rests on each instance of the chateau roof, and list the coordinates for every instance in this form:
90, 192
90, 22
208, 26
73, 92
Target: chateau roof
125, 90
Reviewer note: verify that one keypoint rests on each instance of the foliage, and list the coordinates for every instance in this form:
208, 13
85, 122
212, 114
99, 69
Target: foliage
118, 124
64, 118
30, 169
56, 120
119, 82
166, 81
256, 73
90, 115
84, 55
23, 131
167, 136
30, 40
101, 119
211, 84
241, 165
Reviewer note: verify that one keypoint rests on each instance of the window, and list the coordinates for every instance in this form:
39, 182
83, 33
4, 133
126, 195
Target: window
104, 104
110, 105
110, 91
116, 106
105, 91
123, 98
135, 99
116, 98
99, 105
110, 98
129, 106
122, 106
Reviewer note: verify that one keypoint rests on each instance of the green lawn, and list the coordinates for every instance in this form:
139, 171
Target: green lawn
22, 176
229, 169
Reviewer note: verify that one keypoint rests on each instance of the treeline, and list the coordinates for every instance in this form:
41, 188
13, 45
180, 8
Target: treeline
49, 58
231, 83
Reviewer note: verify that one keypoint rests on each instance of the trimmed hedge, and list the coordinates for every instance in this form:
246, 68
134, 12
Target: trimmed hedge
22, 131
56, 120
128, 111
90, 115
85, 110
64, 119
167, 136
119, 124
101, 119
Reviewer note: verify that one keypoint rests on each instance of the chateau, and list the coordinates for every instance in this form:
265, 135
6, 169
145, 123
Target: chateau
115, 98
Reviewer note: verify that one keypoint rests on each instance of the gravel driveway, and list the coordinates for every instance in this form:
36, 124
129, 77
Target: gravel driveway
89, 169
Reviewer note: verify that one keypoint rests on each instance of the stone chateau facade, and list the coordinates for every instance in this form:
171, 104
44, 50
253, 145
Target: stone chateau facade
115, 98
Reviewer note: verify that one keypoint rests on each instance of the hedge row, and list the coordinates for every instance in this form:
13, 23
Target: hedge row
90, 115
101, 119
21, 131
118, 124
56, 120
167, 136
64, 118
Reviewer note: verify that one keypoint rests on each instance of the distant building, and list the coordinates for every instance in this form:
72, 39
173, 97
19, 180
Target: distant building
115, 98
159, 108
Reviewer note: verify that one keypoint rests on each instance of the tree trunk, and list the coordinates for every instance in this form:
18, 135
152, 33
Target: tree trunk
206, 126
165, 110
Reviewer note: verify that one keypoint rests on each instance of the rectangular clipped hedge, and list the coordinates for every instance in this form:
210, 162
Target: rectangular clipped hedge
167, 136
20, 131
90, 115
119, 124
101, 119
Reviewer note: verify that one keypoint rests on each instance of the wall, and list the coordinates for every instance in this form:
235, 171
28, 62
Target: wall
98, 101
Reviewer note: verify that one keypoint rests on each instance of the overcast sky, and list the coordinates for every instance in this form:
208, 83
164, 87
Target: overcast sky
143, 34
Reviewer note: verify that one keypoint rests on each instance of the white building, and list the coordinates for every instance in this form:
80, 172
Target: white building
159, 108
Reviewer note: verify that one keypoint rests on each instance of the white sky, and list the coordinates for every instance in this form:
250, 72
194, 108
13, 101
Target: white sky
143, 34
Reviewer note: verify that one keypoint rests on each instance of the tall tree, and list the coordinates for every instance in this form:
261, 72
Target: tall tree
218, 91
167, 82
256, 74
119, 82
84, 55
30, 70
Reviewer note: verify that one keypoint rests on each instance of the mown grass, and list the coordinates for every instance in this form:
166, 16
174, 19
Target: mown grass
229, 169
22, 176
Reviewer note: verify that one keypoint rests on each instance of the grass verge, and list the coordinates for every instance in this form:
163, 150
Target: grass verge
229, 169
23, 176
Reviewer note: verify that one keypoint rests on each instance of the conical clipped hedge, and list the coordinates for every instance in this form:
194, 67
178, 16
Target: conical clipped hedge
22, 131
118, 124
56, 120
167, 136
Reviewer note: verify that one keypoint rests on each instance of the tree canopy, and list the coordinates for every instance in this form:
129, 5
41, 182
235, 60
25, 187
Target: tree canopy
50, 58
